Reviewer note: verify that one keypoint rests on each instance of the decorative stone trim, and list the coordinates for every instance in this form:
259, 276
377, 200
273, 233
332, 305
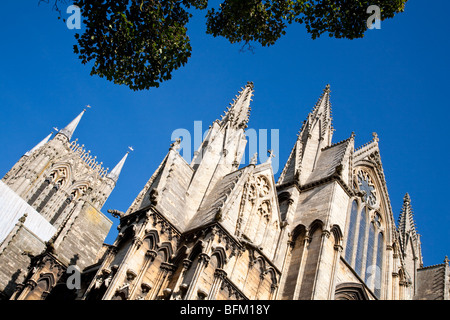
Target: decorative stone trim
152, 254
232, 289
220, 273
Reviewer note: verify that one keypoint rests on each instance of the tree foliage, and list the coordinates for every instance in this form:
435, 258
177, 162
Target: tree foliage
139, 43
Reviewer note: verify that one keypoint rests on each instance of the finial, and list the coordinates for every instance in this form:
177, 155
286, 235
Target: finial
446, 260
271, 155
353, 135
375, 136
130, 148
254, 159
176, 145
327, 88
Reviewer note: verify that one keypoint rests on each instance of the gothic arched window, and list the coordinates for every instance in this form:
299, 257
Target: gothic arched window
360, 248
370, 254
364, 249
379, 264
351, 232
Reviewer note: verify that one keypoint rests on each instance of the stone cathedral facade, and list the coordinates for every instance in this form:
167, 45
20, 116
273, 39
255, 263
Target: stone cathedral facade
50, 216
214, 230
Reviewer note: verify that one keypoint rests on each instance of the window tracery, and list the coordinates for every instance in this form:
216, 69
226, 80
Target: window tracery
364, 249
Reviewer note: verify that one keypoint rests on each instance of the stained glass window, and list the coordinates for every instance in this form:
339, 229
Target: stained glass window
366, 185
369, 261
364, 235
351, 232
379, 265
361, 242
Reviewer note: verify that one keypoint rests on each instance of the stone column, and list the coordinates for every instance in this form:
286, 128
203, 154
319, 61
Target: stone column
273, 291
178, 285
150, 256
219, 276
27, 288
320, 278
337, 253
103, 272
395, 286
17, 291
298, 285
387, 270
166, 270
203, 260
122, 269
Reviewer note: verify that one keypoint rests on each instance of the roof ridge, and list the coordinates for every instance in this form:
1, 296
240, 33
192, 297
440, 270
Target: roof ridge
362, 148
338, 143
433, 266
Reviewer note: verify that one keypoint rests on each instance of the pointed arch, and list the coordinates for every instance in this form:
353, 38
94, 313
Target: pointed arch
62, 172
152, 237
314, 226
299, 230
79, 187
272, 274
49, 278
350, 291
337, 234
261, 262
181, 254
166, 248
267, 283
43, 286
196, 250
60, 175
221, 256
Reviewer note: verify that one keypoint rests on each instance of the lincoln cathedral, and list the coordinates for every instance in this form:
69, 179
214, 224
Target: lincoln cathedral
214, 229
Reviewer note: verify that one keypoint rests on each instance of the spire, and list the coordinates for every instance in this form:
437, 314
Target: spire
40, 144
321, 114
221, 151
406, 225
237, 115
70, 128
114, 174
315, 134
409, 238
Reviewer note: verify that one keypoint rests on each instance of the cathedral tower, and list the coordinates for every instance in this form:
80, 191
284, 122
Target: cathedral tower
60, 188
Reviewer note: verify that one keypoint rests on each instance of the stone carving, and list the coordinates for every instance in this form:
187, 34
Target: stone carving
262, 185
367, 187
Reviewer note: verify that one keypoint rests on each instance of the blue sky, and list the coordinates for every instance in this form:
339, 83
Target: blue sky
394, 82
